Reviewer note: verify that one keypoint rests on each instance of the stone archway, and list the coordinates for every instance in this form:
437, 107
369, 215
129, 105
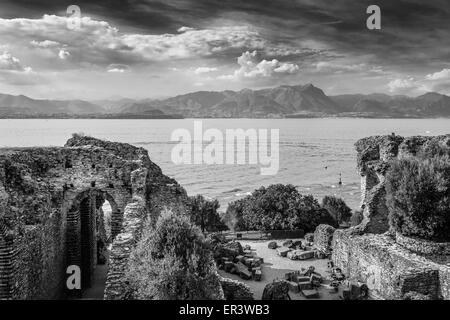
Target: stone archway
85, 234
116, 216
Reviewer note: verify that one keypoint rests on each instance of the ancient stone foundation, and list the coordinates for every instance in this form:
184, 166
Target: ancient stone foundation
392, 266
323, 236
51, 213
389, 269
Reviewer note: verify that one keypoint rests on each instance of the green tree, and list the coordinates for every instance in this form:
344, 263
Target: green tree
277, 207
204, 214
418, 196
337, 208
172, 261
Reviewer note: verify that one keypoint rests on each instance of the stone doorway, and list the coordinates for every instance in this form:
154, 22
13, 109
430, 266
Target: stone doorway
89, 233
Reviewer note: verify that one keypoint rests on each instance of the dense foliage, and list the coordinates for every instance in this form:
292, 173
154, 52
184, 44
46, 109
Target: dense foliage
418, 190
204, 214
337, 208
173, 261
277, 207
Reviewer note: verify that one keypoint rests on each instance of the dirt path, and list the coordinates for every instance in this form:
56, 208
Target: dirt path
95, 292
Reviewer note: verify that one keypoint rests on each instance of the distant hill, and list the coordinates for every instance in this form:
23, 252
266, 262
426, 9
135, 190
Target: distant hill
431, 104
283, 101
272, 102
10, 104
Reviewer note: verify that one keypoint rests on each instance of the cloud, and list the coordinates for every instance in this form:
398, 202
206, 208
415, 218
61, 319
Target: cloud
201, 70
406, 84
438, 82
443, 74
99, 43
45, 44
251, 68
11, 63
118, 68
63, 54
336, 66
184, 29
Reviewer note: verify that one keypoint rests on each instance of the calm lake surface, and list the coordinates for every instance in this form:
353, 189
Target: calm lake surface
313, 152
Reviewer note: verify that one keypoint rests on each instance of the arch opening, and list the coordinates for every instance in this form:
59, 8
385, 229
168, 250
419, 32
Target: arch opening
90, 231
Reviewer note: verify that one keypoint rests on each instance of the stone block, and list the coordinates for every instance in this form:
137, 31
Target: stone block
310, 294
293, 286
283, 251
243, 271
272, 245
227, 266
306, 255
257, 275
305, 285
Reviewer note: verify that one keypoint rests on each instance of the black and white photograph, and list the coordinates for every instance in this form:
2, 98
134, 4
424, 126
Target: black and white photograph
230, 151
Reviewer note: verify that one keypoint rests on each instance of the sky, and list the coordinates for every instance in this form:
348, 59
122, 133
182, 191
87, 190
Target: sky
153, 49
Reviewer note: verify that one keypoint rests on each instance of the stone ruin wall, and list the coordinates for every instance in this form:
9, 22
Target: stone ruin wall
391, 265
323, 236
41, 191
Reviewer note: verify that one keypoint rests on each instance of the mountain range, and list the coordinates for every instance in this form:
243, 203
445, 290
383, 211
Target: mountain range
283, 101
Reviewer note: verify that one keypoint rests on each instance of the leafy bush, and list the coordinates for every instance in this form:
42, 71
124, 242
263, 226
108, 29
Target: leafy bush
277, 207
204, 214
337, 208
173, 261
418, 197
433, 148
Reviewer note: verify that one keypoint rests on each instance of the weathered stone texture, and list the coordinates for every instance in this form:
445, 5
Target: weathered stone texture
323, 236
50, 207
393, 266
374, 154
235, 290
388, 269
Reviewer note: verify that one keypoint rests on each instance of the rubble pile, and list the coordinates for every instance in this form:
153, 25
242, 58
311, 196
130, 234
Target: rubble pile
233, 258
305, 281
300, 250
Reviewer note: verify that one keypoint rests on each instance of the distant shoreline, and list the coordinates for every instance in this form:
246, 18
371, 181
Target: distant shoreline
177, 117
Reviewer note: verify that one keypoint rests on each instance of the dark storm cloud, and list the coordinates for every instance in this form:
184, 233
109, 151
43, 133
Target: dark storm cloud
414, 33
411, 30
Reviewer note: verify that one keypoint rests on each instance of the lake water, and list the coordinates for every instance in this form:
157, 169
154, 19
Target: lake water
313, 152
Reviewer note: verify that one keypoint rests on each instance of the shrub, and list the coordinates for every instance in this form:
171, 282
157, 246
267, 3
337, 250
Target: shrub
337, 208
277, 207
173, 261
418, 197
204, 214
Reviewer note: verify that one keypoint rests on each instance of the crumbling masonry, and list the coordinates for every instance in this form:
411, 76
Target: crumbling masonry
392, 266
51, 213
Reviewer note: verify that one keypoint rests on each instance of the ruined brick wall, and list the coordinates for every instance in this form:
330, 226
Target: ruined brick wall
390, 264
6, 253
41, 194
124, 243
151, 195
323, 236
388, 269
373, 156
